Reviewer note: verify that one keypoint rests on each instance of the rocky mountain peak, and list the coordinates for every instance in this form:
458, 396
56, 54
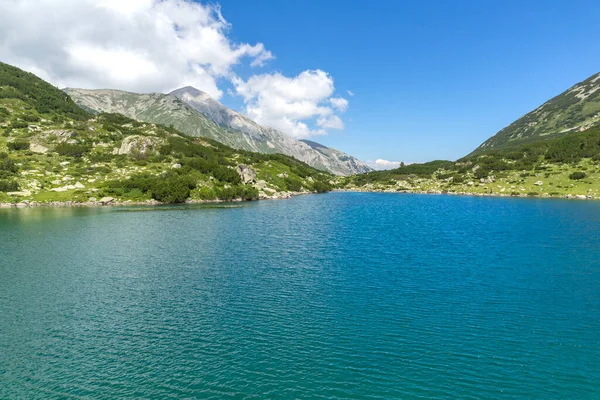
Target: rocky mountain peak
190, 93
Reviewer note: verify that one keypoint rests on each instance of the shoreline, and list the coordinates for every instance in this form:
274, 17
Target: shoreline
287, 195
472, 194
111, 202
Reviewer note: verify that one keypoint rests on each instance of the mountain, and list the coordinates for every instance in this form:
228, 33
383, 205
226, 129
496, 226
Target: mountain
264, 139
51, 150
574, 110
194, 113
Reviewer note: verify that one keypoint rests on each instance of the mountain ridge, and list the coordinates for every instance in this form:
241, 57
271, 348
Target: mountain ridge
195, 113
574, 110
225, 116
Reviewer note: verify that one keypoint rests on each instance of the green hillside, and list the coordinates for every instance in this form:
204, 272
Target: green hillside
574, 110
564, 166
53, 151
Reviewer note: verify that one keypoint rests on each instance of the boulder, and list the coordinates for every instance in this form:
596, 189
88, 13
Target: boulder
539, 183
283, 175
106, 200
247, 174
260, 185
37, 148
139, 144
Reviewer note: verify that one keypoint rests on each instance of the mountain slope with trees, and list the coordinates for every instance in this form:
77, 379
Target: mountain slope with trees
53, 151
194, 113
574, 110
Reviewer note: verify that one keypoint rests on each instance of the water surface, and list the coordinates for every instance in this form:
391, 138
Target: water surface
344, 295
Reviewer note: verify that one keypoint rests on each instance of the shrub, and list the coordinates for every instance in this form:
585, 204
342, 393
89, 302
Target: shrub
321, 187
293, 184
19, 125
249, 193
18, 145
577, 175
31, 118
71, 150
206, 193
226, 193
8, 185
170, 191
7, 165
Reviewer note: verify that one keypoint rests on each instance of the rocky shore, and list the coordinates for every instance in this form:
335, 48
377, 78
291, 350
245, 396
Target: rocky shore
112, 202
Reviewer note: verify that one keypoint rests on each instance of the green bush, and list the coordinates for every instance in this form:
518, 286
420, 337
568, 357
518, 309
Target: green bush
31, 118
206, 193
71, 150
7, 164
170, 191
19, 124
249, 193
293, 184
577, 175
8, 185
321, 187
18, 145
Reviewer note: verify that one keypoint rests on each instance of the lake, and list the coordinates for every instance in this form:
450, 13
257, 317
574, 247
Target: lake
341, 295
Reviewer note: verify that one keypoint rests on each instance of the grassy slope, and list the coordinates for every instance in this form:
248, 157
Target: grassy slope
535, 169
51, 150
576, 109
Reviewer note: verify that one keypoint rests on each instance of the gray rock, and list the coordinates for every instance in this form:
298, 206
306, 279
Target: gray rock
260, 185
107, 200
37, 148
139, 144
247, 174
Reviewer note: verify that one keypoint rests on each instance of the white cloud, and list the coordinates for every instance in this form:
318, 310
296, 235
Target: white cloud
381, 164
330, 122
291, 104
339, 103
157, 46
350, 93
137, 45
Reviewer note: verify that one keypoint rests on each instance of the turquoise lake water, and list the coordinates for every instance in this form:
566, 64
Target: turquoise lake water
343, 295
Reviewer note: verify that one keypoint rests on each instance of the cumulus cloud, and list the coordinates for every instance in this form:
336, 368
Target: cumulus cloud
381, 164
339, 103
291, 104
158, 46
137, 45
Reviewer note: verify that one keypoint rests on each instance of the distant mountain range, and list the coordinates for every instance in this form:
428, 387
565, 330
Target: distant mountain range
574, 110
195, 113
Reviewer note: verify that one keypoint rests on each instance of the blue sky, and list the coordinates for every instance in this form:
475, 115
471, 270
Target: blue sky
431, 79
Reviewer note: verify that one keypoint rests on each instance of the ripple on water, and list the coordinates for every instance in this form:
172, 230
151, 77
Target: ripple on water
345, 295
